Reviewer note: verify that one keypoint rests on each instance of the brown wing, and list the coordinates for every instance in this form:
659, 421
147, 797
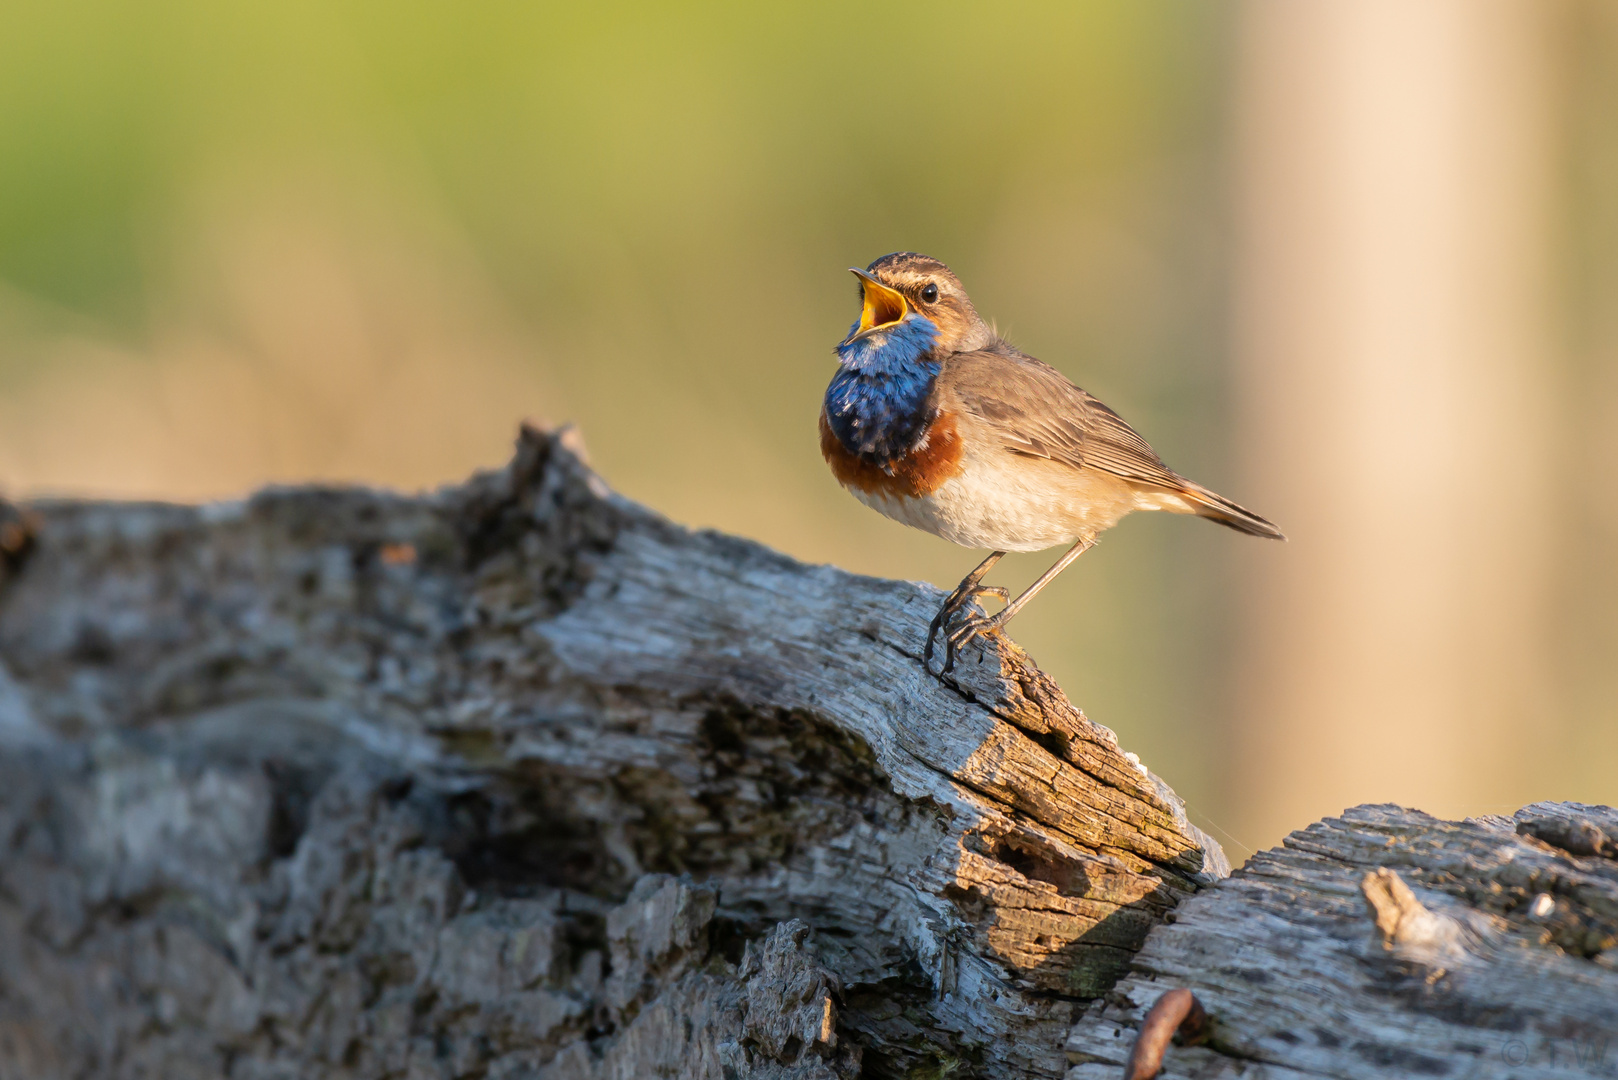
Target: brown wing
1037, 412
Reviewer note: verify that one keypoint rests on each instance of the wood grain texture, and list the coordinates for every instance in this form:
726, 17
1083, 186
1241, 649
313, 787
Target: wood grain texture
1387, 943
520, 779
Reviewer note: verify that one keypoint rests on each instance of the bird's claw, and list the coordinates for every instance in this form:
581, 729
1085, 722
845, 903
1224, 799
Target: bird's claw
974, 626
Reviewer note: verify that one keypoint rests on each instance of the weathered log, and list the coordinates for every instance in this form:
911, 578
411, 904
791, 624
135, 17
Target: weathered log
521, 779
1387, 943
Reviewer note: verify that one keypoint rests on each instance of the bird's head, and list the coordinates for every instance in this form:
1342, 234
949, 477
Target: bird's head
908, 301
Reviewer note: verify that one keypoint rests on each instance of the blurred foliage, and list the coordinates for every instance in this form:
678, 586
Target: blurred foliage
655, 204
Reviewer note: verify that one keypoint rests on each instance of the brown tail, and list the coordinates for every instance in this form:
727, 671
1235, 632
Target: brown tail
1220, 509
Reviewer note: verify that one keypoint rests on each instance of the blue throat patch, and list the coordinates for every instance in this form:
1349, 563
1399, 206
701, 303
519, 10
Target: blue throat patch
877, 402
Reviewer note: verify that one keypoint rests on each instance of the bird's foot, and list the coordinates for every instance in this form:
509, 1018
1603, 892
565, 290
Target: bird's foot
975, 626
953, 606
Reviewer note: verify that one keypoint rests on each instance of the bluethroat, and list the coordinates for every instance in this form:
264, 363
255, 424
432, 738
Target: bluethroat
936, 421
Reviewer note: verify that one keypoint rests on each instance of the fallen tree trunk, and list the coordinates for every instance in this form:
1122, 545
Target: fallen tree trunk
521, 780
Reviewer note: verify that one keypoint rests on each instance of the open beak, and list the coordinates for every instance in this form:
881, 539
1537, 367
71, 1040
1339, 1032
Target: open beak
883, 306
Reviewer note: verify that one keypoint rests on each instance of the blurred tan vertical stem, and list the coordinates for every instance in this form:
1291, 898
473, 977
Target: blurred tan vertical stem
1395, 380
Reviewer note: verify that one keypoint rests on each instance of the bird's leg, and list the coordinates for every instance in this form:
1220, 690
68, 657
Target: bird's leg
963, 595
978, 625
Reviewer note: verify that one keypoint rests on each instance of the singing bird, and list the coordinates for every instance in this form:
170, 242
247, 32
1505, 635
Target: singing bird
936, 421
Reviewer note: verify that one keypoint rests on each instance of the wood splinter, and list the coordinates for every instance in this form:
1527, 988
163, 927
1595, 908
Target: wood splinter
1177, 1012
1407, 926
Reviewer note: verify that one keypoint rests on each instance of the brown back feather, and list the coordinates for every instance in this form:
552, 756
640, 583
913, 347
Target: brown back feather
1037, 412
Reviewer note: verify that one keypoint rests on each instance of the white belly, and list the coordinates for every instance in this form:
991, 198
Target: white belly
1019, 504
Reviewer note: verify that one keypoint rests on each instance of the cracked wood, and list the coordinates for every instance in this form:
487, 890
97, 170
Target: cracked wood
335, 782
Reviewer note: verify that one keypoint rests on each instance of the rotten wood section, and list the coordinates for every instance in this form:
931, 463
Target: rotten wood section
1387, 943
520, 779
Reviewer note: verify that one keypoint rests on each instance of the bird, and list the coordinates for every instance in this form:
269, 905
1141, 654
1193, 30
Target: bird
936, 421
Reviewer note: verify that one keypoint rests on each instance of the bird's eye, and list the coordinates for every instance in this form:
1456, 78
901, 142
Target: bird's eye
929, 293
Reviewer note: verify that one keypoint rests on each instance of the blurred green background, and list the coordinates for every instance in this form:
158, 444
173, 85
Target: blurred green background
360, 241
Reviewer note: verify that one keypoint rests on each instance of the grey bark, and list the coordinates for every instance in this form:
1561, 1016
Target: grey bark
1387, 943
519, 779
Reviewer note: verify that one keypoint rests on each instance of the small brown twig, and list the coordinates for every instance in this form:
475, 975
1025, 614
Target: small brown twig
1176, 1012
